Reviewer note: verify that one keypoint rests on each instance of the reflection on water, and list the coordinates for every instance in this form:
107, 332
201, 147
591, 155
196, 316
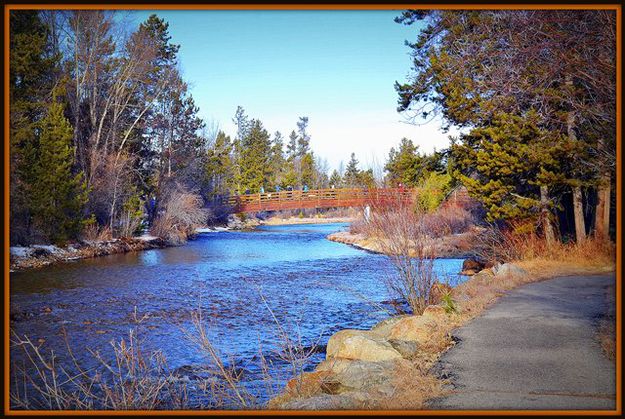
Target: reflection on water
310, 283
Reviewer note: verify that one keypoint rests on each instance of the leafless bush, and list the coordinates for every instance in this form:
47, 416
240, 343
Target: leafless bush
447, 220
134, 379
404, 240
181, 213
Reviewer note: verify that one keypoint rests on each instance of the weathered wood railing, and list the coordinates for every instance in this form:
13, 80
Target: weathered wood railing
319, 198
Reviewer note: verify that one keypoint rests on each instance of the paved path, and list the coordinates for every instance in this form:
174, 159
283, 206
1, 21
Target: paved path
535, 348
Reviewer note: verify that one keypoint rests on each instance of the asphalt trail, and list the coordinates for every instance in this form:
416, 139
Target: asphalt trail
535, 348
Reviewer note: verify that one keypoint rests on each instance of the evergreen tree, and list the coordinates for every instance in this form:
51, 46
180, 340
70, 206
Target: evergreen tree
218, 168
505, 165
57, 195
277, 161
255, 152
351, 176
303, 139
32, 73
335, 179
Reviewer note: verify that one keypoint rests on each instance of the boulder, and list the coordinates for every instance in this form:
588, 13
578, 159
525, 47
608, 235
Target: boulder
360, 344
472, 266
384, 327
310, 383
348, 401
407, 348
352, 374
412, 328
508, 269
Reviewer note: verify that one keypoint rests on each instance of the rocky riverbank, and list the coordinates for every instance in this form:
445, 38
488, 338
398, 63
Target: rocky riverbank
394, 364
460, 245
36, 256
388, 366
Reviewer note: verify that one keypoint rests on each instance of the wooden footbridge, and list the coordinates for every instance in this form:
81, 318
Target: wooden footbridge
320, 198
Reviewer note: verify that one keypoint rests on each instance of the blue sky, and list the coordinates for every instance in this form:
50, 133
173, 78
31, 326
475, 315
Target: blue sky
336, 67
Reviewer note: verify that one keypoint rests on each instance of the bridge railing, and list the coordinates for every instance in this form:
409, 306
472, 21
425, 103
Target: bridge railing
319, 198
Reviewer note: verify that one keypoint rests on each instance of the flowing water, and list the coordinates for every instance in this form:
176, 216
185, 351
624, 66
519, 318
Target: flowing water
313, 286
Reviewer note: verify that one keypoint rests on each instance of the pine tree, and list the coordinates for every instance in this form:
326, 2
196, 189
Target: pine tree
32, 73
57, 195
505, 165
277, 161
351, 176
335, 179
255, 151
218, 169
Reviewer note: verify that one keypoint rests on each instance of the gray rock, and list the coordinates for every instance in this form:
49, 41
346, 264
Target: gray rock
508, 269
406, 348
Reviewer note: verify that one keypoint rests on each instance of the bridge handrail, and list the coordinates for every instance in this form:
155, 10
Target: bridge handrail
320, 194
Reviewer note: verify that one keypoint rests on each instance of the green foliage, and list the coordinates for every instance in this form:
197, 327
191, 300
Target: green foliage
57, 195
504, 164
432, 191
255, 152
408, 166
448, 304
335, 179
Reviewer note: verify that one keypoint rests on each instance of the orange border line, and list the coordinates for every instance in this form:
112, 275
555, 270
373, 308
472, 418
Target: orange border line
616, 7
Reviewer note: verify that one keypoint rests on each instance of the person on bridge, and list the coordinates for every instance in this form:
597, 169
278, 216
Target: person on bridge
262, 189
305, 189
278, 188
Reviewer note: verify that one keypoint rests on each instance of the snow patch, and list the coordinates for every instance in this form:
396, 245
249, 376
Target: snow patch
49, 247
20, 252
147, 238
211, 229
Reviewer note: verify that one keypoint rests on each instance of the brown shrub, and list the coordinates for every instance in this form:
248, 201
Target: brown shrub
182, 212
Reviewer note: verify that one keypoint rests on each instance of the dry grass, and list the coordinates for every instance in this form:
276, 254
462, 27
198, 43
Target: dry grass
413, 386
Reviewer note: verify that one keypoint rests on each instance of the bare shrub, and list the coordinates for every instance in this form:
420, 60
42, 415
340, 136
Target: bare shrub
94, 232
181, 213
450, 219
133, 379
404, 241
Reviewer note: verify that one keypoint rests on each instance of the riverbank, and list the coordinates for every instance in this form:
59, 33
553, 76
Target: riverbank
461, 245
36, 256
391, 366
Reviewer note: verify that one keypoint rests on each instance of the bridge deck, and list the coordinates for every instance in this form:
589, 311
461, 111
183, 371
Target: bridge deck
320, 198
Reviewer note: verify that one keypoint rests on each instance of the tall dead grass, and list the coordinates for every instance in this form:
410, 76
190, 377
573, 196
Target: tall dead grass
510, 245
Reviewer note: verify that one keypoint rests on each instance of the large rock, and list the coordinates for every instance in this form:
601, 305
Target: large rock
508, 269
349, 401
412, 328
360, 344
384, 327
471, 266
351, 374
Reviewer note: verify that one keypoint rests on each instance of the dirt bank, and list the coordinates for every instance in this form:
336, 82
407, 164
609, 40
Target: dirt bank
36, 256
460, 245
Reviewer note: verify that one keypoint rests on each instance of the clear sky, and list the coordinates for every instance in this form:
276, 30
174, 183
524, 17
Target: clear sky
336, 67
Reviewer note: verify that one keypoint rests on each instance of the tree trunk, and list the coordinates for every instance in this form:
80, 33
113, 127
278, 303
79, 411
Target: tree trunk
548, 230
578, 211
578, 206
602, 210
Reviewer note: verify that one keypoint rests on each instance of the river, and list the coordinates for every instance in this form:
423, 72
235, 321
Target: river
313, 286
